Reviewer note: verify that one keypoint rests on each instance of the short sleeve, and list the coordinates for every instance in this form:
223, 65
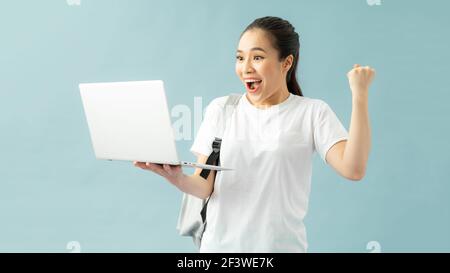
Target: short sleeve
328, 130
207, 130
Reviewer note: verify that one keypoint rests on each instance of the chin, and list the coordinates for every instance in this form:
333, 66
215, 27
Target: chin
255, 97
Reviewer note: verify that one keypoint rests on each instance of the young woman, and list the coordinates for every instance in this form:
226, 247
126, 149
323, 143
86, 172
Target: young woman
270, 141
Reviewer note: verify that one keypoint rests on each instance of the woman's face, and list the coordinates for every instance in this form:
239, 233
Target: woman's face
259, 68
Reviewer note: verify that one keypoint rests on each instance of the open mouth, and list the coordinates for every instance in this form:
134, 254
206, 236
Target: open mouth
253, 85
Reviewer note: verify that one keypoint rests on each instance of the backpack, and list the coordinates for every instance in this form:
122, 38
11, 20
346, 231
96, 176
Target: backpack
192, 217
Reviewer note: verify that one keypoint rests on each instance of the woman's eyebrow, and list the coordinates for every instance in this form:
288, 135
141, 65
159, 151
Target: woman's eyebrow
254, 49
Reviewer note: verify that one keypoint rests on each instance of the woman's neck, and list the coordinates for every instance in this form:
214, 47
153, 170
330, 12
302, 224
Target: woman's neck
274, 99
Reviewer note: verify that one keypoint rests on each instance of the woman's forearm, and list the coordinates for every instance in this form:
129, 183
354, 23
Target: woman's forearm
195, 185
357, 149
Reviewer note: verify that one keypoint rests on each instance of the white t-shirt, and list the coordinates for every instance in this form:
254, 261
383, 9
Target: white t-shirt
261, 204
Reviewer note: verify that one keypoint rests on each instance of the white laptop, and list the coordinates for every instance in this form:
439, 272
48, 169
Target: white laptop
130, 121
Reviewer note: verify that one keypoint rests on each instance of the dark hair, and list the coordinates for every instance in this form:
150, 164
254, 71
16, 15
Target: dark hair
286, 41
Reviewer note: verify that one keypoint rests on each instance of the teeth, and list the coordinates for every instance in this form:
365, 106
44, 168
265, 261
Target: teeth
252, 80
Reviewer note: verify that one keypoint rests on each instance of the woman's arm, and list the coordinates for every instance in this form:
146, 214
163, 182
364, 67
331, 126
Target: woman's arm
192, 184
350, 157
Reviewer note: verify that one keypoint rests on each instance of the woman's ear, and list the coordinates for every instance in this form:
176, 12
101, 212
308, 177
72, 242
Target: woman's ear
287, 64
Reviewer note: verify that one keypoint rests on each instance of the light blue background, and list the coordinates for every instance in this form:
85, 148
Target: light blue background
53, 190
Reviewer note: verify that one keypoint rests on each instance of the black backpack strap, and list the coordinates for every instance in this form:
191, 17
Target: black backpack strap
213, 159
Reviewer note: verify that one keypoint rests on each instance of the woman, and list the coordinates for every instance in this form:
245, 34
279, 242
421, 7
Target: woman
270, 141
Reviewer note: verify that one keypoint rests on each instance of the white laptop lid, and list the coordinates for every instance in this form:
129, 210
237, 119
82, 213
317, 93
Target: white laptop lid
129, 121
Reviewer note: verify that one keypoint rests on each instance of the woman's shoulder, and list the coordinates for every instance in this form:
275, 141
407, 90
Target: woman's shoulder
308, 102
216, 106
218, 103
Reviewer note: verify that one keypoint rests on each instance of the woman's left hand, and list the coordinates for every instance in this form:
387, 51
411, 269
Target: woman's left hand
360, 78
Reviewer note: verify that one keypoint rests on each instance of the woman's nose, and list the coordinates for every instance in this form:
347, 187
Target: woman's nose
248, 67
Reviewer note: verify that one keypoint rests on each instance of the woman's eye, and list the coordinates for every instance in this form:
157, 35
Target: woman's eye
239, 58
258, 58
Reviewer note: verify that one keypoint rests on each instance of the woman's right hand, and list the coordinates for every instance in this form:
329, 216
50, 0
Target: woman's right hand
172, 173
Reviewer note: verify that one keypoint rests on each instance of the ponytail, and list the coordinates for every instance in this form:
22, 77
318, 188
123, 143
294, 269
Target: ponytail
291, 79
